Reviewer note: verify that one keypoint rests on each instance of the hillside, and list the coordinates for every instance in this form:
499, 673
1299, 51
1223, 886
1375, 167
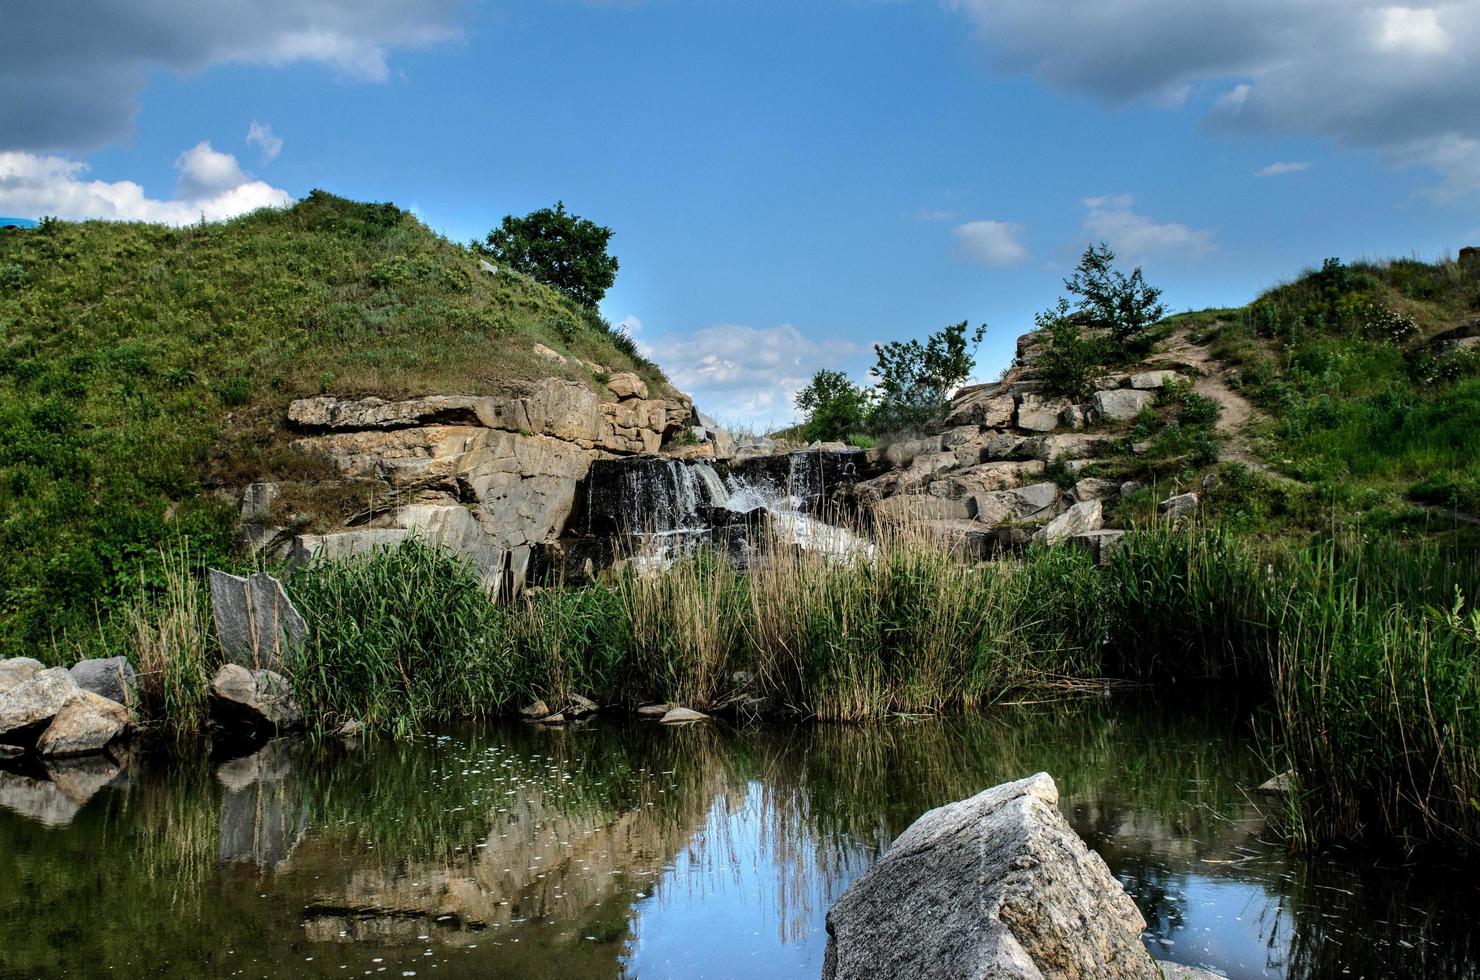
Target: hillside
144, 366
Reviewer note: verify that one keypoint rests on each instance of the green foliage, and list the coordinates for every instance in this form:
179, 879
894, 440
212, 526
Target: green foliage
915, 379
1123, 305
559, 249
1069, 360
141, 365
833, 405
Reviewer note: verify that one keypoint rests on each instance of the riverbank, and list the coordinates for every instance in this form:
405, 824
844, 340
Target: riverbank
1364, 666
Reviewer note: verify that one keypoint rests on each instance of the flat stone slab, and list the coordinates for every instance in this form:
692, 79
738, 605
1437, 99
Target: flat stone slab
683, 716
255, 620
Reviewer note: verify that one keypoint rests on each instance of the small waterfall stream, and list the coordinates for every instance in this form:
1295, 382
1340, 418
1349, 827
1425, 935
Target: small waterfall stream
655, 498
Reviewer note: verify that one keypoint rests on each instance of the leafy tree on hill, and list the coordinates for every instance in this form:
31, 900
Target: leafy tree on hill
835, 407
915, 379
559, 249
1125, 305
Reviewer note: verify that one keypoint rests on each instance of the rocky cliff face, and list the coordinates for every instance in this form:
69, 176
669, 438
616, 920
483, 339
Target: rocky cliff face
489, 477
1011, 462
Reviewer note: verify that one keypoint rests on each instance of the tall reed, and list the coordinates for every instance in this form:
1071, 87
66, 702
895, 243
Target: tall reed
172, 645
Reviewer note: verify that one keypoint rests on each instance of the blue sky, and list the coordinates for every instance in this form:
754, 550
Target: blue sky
788, 182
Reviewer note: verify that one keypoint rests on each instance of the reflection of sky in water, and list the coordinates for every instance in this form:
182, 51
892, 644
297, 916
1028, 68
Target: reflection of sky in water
628, 849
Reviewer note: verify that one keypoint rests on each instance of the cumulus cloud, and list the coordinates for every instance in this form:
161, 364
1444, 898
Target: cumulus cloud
267, 141
1112, 219
990, 242
72, 72
211, 185
630, 325
748, 374
1398, 79
1282, 167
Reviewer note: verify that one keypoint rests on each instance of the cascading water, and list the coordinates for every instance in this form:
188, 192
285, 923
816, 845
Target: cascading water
665, 502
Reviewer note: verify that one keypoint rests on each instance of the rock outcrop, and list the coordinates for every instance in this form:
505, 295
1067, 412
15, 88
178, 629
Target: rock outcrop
994, 886
488, 477
27, 708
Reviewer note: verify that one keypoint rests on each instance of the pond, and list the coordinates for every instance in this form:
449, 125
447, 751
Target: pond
626, 849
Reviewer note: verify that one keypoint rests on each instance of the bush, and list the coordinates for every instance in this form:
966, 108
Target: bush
833, 405
1069, 361
915, 379
559, 249
1123, 305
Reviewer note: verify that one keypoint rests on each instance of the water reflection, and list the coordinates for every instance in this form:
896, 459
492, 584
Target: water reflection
627, 850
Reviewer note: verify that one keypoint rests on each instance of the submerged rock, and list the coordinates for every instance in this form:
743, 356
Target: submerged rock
87, 723
111, 677
997, 885
258, 700
654, 710
27, 708
682, 716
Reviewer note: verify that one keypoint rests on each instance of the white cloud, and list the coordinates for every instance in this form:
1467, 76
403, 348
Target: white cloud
1282, 167
270, 143
72, 72
1368, 74
748, 374
990, 242
630, 325
1132, 235
211, 185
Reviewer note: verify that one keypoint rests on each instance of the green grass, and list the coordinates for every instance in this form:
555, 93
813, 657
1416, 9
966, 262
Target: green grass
1361, 407
141, 367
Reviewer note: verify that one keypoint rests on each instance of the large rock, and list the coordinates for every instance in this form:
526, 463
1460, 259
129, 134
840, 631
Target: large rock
1079, 519
111, 677
259, 701
990, 405
27, 708
985, 477
1121, 404
905, 508
1177, 507
1038, 500
1153, 380
627, 385
1037, 413
16, 671
996, 886
255, 620
86, 724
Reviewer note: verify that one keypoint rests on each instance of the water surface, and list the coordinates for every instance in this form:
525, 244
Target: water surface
622, 849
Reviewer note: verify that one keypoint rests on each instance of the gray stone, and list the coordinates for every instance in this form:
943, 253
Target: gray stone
259, 700
1177, 971
535, 709
907, 507
257, 500
1179, 506
16, 671
996, 886
1036, 413
1130, 486
1091, 488
578, 707
654, 710
1079, 519
1001, 445
1038, 500
1153, 380
1074, 417
27, 708
255, 620
488, 267
352, 728
682, 716
1121, 404
959, 436
88, 723
1281, 785
1101, 545
112, 677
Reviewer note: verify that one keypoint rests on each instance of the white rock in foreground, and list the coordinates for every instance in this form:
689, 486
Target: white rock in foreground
998, 886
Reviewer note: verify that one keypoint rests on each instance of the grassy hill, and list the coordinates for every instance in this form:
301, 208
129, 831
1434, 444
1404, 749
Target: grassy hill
1350, 395
141, 366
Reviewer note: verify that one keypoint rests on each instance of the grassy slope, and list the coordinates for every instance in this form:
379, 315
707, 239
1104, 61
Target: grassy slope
1360, 418
142, 365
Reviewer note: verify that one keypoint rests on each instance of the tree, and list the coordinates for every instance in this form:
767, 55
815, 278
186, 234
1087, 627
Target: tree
1124, 305
915, 379
835, 407
559, 249
1069, 360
